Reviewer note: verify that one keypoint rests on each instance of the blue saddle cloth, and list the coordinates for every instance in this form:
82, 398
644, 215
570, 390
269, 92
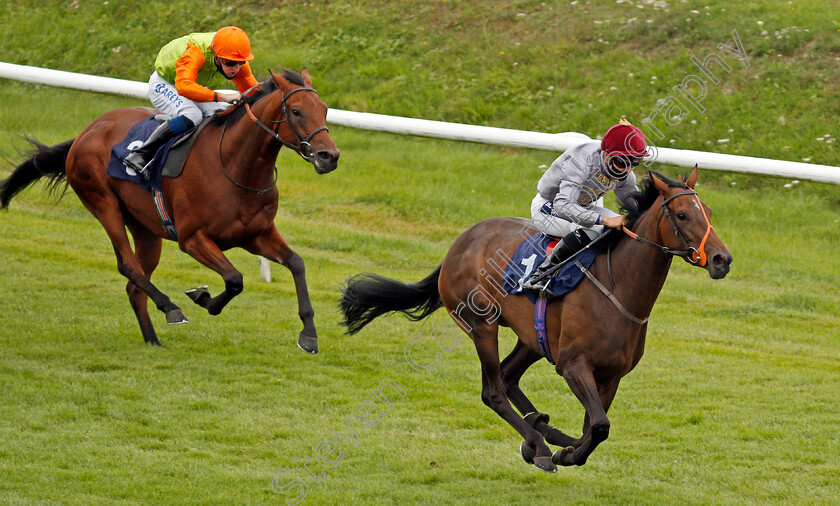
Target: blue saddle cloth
529, 255
133, 139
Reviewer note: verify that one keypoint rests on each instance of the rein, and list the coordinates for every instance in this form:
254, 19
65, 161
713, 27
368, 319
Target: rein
303, 148
691, 254
238, 185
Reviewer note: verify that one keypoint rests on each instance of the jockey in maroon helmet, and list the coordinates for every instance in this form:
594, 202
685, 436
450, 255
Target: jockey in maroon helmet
567, 194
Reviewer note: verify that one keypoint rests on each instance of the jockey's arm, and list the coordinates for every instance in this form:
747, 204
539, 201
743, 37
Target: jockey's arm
614, 221
569, 204
625, 189
186, 74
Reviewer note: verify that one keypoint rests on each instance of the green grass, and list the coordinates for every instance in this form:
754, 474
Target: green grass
735, 401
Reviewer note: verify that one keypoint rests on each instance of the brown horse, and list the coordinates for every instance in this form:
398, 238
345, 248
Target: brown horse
594, 341
225, 197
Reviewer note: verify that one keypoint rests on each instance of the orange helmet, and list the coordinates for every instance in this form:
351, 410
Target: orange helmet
231, 43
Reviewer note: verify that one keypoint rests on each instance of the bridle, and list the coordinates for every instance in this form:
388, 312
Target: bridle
303, 148
695, 256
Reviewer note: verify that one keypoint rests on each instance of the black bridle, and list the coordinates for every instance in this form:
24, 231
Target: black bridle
303, 148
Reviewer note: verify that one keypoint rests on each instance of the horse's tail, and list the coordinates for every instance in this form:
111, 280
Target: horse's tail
45, 161
368, 296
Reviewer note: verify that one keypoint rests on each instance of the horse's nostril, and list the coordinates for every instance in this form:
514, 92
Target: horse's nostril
327, 155
721, 259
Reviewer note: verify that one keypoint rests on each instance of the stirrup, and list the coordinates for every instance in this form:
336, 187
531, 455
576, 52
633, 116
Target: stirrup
141, 170
144, 173
538, 285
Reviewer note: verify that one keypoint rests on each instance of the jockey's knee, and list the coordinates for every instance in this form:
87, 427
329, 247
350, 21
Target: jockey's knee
181, 124
579, 238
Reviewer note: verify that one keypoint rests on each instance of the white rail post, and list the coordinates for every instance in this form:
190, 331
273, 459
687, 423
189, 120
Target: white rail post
265, 270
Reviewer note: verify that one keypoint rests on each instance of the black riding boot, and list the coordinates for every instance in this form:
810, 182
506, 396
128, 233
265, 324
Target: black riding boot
139, 158
568, 246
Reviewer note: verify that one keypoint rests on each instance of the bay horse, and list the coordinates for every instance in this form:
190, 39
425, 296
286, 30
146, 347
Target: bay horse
594, 341
225, 197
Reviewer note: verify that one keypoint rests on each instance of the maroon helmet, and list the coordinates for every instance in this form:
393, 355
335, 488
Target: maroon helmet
626, 145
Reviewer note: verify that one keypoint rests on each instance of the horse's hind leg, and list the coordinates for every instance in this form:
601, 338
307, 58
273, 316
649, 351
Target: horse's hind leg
596, 399
272, 246
147, 248
492, 393
103, 204
512, 369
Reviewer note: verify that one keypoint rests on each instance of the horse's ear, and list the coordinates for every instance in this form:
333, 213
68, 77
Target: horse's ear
307, 79
661, 186
692, 179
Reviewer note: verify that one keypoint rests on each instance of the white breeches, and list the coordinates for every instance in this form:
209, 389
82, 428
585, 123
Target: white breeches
165, 98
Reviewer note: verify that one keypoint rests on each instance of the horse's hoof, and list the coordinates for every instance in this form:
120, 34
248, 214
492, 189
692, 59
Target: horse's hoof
308, 344
527, 452
175, 317
545, 464
199, 295
563, 457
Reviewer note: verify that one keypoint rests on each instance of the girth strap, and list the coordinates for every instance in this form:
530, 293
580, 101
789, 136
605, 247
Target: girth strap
168, 224
539, 327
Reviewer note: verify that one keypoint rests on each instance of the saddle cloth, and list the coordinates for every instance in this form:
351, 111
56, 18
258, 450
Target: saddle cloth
530, 253
168, 161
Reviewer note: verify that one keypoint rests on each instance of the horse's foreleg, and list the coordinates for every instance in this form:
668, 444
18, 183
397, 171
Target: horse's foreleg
272, 246
512, 369
208, 253
147, 248
592, 396
606, 391
534, 449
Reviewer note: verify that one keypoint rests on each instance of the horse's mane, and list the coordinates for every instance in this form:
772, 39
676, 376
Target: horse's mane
638, 203
263, 89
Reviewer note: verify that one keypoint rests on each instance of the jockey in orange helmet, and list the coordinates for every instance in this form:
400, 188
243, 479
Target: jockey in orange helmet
567, 193
186, 70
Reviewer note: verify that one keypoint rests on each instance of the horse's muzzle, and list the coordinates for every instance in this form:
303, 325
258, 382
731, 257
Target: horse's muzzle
718, 264
325, 161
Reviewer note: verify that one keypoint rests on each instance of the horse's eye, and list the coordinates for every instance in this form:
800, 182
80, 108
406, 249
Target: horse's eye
682, 216
296, 112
